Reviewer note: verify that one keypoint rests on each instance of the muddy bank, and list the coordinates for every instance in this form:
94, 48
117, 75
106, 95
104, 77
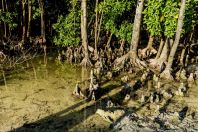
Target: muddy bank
40, 99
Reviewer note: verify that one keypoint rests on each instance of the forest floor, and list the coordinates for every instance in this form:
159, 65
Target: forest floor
40, 99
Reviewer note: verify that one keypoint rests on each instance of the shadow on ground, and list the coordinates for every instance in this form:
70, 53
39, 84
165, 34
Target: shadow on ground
69, 118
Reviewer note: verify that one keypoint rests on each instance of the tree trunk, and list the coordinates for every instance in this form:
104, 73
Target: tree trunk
136, 26
182, 56
149, 50
29, 17
8, 32
41, 4
99, 27
42, 20
178, 34
23, 23
150, 42
159, 63
109, 41
171, 43
132, 54
96, 29
167, 72
1, 24
164, 54
1, 32
4, 24
160, 48
86, 61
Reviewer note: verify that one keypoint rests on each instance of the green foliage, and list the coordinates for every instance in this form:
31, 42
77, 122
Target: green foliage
170, 16
114, 8
114, 20
153, 17
191, 16
8, 17
161, 17
68, 28
125, 31
36, 12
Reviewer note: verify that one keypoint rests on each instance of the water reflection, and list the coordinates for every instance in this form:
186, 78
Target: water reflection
85, 76
27, 88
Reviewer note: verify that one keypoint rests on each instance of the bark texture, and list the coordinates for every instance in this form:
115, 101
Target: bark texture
29, 17
136, 26
167, 72
132, 54
86, 61
178, 34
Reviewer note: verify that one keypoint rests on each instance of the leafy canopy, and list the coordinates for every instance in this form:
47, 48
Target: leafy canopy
68, 27
116, 17
153, 17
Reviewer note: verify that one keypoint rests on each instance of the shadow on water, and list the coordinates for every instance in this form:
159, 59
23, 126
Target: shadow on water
64, 121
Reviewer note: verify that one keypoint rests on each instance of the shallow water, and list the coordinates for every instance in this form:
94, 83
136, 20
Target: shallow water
39, 98
38, 91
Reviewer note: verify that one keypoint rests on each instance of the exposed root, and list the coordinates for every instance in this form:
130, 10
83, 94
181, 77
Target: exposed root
86, 62
78, 92
119, 62
191, 80
96, 56
147, 52
157, 64
138, 63
166, 74
183, 74
134, 60
178, 75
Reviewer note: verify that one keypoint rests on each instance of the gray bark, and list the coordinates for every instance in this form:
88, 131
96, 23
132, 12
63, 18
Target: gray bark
178, 34
136, 26
84, 27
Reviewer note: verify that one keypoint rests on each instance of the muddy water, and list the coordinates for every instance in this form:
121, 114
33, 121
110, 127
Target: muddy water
38, 92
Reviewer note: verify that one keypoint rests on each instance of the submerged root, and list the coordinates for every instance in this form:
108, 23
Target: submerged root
86, 62
166, 74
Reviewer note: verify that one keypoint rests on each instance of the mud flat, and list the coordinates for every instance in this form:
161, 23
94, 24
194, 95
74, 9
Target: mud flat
41, 99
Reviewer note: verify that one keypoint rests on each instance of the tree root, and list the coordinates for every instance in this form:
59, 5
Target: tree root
130, 57
178, 74
166, 74
119, 62
96, 56
86, 62
157, 64
146, 52
138, 63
